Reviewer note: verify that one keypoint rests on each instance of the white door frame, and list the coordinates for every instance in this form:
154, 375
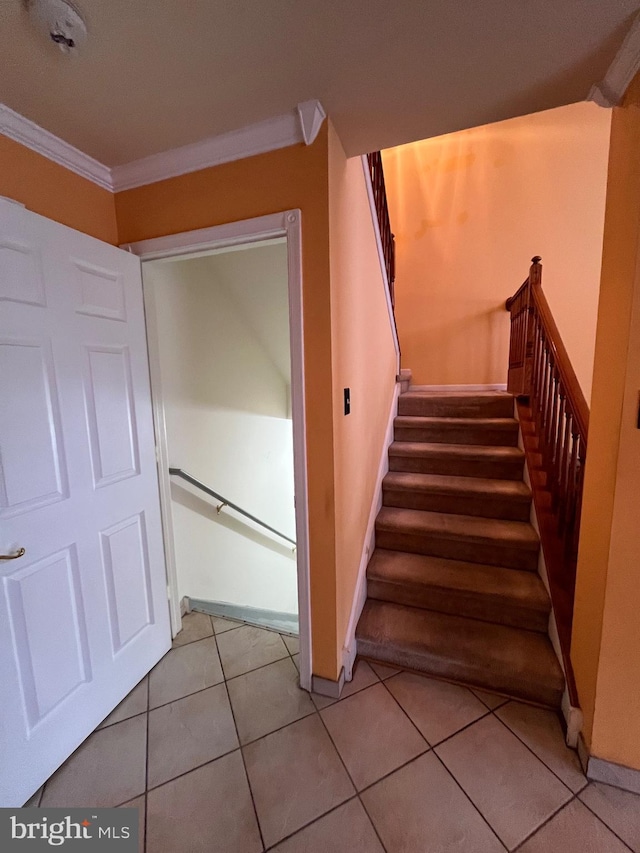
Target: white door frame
286, 224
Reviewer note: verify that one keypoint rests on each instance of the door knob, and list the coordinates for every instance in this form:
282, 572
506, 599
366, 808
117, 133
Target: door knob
19, 553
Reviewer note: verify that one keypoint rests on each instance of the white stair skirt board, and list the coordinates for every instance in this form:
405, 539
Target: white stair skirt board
502, 386
275, 620
572, 715
350, 648
608, 772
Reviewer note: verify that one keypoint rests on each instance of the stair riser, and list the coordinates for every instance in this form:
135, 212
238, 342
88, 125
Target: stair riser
484, 506
459, 603
488, 469
458, 435
434, 407
483, 677
491, 553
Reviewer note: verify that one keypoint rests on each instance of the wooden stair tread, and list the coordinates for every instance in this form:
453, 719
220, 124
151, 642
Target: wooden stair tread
470, 404
447, 483
456, 451
450, 526
416, 393
492, 657
418, 570
435, 420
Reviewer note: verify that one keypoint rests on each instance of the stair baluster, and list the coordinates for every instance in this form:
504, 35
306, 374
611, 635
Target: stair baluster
555, 419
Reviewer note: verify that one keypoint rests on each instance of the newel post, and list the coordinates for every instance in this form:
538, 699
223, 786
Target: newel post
535, 280
521, 344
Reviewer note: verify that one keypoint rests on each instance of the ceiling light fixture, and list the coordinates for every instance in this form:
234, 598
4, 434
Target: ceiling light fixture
60, 22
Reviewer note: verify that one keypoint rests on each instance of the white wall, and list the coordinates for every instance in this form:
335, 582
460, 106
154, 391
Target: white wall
226, 406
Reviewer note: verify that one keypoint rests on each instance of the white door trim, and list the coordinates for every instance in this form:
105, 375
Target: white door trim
286, 224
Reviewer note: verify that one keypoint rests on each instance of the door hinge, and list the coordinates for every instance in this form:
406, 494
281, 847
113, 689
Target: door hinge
157, 449
168, 592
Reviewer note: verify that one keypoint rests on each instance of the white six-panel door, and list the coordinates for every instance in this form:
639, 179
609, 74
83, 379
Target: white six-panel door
83, 613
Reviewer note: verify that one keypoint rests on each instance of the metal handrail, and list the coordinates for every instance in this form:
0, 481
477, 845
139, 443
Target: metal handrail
178, 472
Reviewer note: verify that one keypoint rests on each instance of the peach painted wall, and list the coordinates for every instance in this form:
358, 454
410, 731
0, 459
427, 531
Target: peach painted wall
363, 359
606, 634
295, 177
469, 210
51, 190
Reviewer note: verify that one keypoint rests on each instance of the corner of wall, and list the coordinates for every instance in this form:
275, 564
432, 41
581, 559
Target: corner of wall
56, 192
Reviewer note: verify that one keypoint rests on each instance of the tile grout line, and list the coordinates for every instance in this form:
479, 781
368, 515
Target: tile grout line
357, 794
492, 712
200, 690
597, 816
146, 769
532, 751
224, 754
183, 773
406, 713
311, 823
433, 748
541, 826
242, 758
473, 805
346, 770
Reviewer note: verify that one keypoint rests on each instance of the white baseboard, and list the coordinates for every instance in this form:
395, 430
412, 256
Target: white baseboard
350, 648
608, 772
574, 719
325, 687
185, 605
499, 387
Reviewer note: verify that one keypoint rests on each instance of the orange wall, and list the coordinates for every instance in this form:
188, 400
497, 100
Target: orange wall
51, 190
469, 210
295, 177
606, 634
347, 333
364, 360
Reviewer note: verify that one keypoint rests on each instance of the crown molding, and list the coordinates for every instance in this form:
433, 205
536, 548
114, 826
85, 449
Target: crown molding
311, 115
32, 136
626, 63
278, 132
297, 126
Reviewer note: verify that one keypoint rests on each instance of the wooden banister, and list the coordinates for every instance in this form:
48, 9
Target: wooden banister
382, 209
554, 417
561, 358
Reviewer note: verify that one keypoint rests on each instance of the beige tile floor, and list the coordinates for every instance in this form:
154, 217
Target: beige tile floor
222, 752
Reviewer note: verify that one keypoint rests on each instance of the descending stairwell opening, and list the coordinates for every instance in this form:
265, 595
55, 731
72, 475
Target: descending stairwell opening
224, 369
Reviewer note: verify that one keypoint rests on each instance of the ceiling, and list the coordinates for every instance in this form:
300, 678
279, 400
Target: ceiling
156, 75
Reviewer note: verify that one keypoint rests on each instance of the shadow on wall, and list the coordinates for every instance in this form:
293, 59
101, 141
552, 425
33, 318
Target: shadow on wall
203, 507
230, 369
469, 210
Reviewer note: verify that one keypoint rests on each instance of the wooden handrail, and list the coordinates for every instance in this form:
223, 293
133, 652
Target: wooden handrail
554, 418
563, 362
382, 210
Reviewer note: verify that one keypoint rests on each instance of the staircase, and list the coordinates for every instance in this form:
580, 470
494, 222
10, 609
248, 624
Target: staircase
453, 589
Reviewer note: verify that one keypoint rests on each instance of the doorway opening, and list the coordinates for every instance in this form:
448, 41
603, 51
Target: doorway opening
224, 325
